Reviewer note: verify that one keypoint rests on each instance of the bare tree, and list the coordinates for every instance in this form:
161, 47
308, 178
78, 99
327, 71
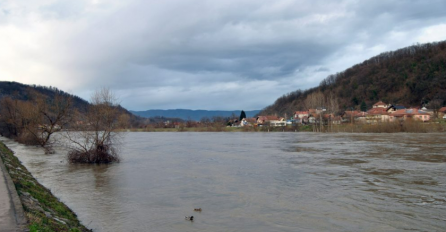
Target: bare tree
205, 121
124, 121
45, 116
332, 106
96, 139
36, 120
313, 101
10, 116
435, 105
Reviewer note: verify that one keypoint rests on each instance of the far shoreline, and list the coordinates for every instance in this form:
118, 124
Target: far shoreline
407, 127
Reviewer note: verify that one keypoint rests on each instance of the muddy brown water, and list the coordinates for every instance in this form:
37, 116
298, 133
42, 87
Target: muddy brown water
255, 182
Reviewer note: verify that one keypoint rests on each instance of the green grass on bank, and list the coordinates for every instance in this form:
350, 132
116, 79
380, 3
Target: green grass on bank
43, 210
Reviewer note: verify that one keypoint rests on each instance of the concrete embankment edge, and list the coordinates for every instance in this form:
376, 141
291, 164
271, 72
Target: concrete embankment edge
19, 213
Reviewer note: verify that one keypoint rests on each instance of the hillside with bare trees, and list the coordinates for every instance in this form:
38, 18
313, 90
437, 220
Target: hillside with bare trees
411, 76
30, 114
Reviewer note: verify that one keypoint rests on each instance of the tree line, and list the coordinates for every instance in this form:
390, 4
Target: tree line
90, 133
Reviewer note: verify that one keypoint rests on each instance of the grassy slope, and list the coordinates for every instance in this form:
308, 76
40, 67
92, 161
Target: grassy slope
43, 211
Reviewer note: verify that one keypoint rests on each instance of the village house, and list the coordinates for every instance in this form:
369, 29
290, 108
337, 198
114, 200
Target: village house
271, 120
248, 122
442, 112
361, 117
380, 112
380, 104
354, 116
311, 119
301, 116
280, 122
314, 115
413, 113
317, 111
336, 120
393, 108
377, 115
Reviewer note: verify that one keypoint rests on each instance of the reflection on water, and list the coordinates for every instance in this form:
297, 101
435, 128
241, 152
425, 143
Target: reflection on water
256, 182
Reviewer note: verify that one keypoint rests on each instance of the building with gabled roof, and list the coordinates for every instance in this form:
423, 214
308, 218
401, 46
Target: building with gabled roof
301, 114
392, 108
248, 122
380, 104
376, 115
272, 120
412, 113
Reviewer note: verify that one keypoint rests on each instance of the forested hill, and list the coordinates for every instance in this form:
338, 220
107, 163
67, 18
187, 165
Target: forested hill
410, 76
21, 92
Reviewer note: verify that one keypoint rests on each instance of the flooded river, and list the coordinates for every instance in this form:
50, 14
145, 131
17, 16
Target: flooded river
255, 182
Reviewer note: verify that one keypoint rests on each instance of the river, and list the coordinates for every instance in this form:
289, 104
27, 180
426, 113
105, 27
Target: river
255, 182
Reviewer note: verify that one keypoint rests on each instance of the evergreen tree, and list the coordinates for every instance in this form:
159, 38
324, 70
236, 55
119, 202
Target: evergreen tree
242, 115
363, 106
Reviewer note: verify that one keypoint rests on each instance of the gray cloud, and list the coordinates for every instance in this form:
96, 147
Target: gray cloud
203, 54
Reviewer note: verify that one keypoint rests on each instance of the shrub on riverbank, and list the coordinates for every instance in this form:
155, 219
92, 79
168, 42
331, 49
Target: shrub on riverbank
43, 210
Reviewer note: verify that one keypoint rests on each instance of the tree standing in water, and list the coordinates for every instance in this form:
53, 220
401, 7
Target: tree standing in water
96, 139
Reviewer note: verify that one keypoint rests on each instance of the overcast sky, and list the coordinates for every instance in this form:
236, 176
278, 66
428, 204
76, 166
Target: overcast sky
202, 54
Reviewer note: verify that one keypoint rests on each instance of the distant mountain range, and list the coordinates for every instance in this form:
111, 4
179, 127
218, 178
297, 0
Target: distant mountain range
195, 115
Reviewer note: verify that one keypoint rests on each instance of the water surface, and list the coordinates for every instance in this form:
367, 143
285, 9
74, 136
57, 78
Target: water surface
255, 182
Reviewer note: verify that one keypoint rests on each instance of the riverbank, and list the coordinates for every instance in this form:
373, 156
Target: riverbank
43, 211
386, 127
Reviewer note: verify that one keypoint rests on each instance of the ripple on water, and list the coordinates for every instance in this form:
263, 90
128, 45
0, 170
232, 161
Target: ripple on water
347, 162
256, 182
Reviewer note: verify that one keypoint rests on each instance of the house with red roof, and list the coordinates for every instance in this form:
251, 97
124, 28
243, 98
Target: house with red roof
377, 115
393, 108
356, 115
442, 112
336, 120
248, 122
380, 104
412, 113
301, 114
271, 120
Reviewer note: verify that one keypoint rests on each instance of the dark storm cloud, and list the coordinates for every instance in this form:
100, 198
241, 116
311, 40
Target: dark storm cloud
214, 54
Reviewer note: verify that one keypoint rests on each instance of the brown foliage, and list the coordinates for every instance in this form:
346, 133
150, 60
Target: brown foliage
100, 155
96, 139
35, 120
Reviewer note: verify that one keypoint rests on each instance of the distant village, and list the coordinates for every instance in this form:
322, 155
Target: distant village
379, 113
